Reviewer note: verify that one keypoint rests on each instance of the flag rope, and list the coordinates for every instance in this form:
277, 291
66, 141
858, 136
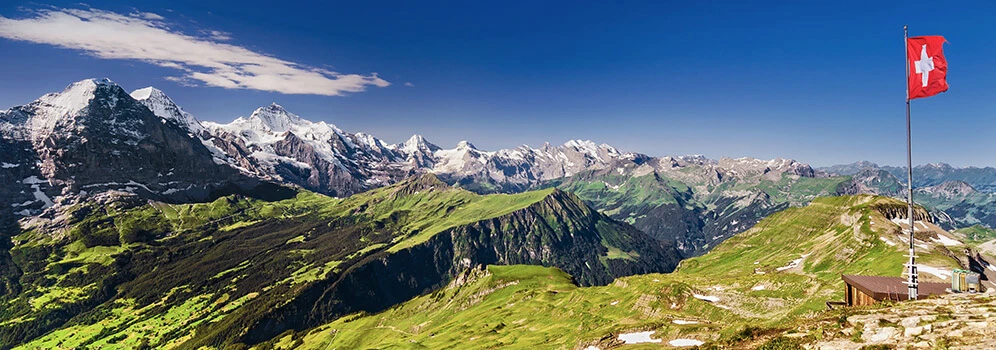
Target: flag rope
911, 274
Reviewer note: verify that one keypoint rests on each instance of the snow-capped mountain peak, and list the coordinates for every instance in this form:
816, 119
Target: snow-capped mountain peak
148, 92
465, 145
371, 142
276, 119
589, 146
163, 106
42, 116
93, 137
274, 143
417, 143
76, 96
272, 123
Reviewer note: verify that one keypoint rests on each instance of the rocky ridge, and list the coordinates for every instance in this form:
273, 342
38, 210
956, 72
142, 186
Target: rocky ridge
94, 137
955, 321
273, 144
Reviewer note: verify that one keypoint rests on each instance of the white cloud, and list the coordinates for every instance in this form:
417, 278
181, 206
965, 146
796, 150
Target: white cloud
202, 59
148, 15
409, 84
219, 35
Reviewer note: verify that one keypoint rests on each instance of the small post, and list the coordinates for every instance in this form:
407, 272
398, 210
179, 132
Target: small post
912, 275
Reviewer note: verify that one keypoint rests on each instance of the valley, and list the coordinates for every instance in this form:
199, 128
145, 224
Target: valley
274, 231
746, 292
272, 175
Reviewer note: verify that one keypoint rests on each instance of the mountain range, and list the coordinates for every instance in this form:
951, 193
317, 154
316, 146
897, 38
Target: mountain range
53, 152
982, 179
50, 149
127, 222
958, 197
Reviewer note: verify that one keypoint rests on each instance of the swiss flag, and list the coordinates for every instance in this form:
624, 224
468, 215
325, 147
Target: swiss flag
927, 67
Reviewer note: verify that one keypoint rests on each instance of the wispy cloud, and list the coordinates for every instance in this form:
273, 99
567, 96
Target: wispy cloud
409, 84
201, 59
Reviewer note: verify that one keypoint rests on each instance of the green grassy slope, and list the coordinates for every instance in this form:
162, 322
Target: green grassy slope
214, 274
527, 307
697, 212
977, 234
967, 209
65, 269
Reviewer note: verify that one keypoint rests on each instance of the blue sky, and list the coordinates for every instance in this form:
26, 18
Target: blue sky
818, 82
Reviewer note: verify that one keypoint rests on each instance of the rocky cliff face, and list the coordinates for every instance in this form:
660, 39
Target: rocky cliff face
94, 137
880, 182
951, 189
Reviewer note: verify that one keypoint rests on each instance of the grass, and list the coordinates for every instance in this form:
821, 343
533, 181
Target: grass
254, 256
529, 306
795, 190
415, 215
77, 252
977, 234
247, 256
478, 208
509, 307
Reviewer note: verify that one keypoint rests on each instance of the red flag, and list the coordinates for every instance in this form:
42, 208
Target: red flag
927, 67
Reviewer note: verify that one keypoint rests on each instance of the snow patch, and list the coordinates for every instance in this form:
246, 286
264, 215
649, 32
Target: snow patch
685, 342
940, 273
175, 190
793, 264
945, 240
709, 298
758, 287
8, 165
684, 322
638, 337
272, 159
36, 183
918, 245
133, 183
891, 243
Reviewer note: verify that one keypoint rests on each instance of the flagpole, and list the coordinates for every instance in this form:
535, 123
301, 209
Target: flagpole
912, 275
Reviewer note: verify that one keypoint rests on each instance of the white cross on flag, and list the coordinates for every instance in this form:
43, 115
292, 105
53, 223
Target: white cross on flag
927, 67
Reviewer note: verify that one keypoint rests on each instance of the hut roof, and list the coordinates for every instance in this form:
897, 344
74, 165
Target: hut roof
892, 288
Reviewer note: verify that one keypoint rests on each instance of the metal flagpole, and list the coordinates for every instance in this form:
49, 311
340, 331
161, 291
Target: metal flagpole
912, 276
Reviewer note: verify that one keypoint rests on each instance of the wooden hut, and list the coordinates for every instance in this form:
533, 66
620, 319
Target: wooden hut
867, 290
